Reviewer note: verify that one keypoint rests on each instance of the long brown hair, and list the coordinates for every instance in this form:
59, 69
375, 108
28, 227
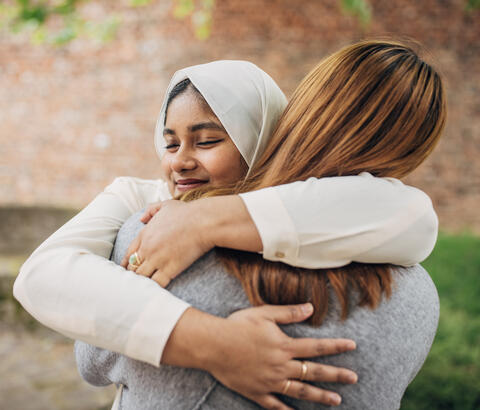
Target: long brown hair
375, 106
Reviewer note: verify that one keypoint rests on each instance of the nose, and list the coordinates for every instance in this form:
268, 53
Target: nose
183, 161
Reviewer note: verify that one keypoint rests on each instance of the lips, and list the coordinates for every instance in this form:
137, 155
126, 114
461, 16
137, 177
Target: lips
186, 184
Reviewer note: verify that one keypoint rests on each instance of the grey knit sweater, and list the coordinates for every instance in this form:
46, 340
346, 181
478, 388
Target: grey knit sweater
392, 343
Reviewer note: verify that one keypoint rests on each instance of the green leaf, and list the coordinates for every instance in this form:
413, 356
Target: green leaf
7, 14
39, 36
358, 8
183, 8
472, 5
139, 3
202, 22
37, 13
208, 4
65, 36
68, 7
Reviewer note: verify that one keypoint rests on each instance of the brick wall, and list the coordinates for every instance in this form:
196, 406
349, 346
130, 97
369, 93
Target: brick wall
72, 119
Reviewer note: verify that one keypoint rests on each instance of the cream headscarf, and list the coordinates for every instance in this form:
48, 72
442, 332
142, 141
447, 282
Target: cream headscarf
244, 98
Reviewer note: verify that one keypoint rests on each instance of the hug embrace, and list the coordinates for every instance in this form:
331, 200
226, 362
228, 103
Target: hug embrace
275, 263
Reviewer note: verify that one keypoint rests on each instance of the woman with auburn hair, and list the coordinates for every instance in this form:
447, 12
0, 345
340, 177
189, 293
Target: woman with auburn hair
374, 107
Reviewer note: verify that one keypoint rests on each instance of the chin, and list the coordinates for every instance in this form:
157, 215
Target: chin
179, 194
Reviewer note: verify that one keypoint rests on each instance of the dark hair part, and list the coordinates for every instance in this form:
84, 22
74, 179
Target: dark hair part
178, 89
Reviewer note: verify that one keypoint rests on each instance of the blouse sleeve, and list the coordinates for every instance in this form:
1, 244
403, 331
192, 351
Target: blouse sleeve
69, 285
330, 222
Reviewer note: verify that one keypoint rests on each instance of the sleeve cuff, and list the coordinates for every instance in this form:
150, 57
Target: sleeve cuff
276, 228
151, 332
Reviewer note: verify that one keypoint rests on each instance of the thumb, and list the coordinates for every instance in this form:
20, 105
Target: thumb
288, 313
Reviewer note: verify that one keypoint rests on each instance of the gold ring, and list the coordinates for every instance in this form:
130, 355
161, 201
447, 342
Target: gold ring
287, 386
134, 260
304, 371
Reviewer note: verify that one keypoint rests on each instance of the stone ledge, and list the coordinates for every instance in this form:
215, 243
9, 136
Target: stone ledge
23, 228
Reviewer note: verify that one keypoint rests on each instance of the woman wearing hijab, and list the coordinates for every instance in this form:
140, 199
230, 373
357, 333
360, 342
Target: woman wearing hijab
394, 316
70, 286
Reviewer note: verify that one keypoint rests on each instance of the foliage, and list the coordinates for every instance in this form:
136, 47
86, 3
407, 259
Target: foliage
450, 378
201, 17
33, 15
473, 4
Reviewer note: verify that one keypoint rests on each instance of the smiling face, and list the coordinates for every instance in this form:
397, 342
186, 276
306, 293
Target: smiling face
199, 151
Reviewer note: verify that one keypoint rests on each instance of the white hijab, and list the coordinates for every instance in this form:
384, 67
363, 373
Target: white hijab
244, 98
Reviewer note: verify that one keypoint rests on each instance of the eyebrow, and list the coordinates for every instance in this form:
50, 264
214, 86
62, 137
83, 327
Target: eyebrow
210, 125
206, 126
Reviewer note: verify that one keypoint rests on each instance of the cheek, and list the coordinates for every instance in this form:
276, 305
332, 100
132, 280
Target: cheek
165, 166
226, 166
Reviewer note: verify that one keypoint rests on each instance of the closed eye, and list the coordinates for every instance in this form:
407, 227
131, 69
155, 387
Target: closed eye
209, 142
169, 146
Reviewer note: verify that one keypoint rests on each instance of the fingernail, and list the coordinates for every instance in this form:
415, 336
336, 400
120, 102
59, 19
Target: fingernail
352, 378
351, 345
335, 399
307, 308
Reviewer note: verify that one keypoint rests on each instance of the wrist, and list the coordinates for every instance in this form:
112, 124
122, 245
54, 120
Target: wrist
196, 341
208, 219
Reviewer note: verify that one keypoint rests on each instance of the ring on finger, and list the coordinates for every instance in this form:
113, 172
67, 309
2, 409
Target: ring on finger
134, 260
132, 268
286, 387
304, 371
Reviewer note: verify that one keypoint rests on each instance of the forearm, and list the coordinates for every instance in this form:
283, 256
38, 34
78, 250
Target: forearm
227, 223
327, 222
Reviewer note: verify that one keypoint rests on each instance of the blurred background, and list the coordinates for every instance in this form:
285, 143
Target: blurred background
81, 84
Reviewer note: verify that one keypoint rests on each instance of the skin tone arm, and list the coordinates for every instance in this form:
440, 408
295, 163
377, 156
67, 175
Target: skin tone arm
254, 333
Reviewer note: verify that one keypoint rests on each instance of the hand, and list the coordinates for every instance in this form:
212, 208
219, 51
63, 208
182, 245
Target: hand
258, 358
178, 233
170, 242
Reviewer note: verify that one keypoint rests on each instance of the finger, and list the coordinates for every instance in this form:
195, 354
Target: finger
288, 313
145, 269
316, 372
150, 212
134, 245
269, 401
161, 278
308, 347
145, 218
305, 391
131, 267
